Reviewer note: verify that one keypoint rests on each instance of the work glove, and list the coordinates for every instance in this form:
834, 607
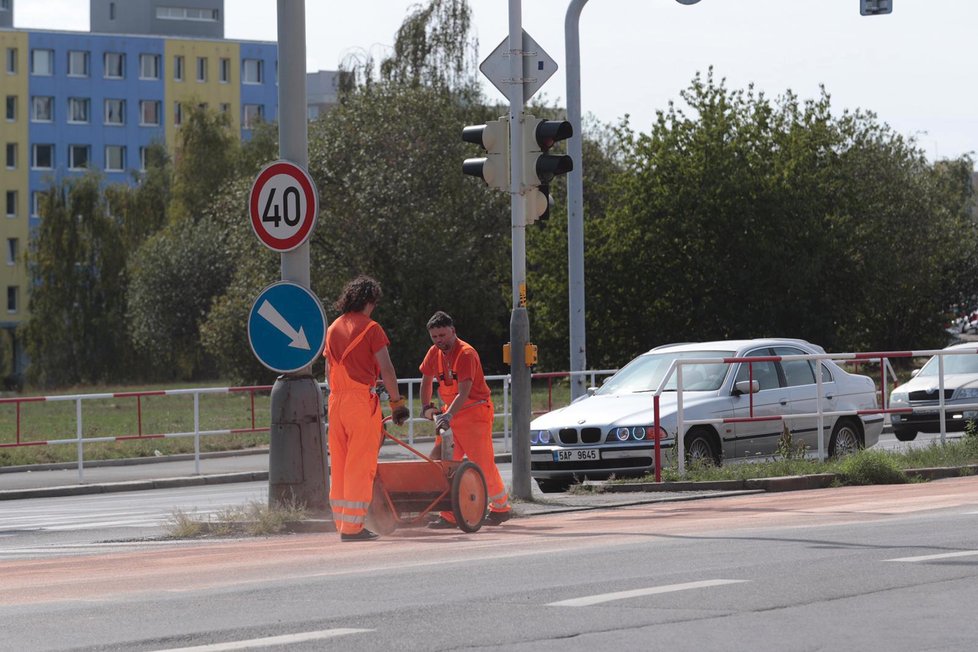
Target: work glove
429, 411
400, 415
399, 411
442, 421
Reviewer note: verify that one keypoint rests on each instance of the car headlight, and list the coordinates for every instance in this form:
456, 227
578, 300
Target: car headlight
965, 392
632, 433
539, 437
899, 398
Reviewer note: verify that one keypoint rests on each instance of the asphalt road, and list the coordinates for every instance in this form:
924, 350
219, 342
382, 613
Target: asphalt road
855, 568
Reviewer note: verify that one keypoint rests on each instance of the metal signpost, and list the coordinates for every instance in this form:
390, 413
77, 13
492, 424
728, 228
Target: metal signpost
286, 325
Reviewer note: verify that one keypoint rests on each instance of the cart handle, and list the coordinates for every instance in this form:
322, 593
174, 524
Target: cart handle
388, 435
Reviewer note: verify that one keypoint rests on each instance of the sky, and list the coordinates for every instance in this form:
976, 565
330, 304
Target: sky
913, 67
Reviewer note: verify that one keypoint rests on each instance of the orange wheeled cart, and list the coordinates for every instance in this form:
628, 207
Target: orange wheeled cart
406, 491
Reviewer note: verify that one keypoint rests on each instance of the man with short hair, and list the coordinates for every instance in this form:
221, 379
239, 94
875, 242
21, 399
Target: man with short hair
467, 409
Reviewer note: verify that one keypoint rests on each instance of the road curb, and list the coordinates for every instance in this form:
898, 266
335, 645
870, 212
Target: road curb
132, 485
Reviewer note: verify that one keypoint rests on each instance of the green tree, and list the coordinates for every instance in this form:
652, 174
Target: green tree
741, 216
77, 265
206, 157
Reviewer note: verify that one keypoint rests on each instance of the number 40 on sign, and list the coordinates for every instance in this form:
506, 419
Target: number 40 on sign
283, 204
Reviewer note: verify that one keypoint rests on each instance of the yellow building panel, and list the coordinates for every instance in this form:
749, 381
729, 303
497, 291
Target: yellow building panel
14, 164
220, 65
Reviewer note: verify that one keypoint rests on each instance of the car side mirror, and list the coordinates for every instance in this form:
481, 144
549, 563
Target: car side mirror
746, 387
914, 372
591, 391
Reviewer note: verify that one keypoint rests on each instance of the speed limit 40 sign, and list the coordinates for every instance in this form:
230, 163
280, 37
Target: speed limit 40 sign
283, 204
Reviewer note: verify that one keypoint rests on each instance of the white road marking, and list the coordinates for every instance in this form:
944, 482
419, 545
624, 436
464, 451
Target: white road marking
943, 555
589, 600
286, 639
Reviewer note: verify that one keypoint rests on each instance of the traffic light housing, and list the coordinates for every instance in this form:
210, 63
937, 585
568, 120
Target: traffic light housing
540, 167
875, 7
493, 168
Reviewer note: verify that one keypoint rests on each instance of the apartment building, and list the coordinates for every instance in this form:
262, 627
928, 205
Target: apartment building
96, 100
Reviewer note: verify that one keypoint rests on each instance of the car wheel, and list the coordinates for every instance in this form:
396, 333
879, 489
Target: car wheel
700, 448
552, 486
905, 434
846, 438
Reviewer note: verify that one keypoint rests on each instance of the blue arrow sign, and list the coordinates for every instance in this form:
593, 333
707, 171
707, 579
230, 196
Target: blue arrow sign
286, 327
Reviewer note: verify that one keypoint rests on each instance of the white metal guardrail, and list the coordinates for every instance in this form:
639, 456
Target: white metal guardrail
257, 424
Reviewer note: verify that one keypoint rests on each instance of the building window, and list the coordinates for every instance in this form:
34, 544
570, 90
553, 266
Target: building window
149, 66
77, 63
11, 203
42, 108
252, 71
79, 109
11, 61
42, 62
149, 113
115, 112
225, 107
177, 114
111, 11
252, 115
35, 204
11, 156
142, 159
201, 69
178, 67
42, 157
13, 247
78, 156
11, 110
187, 13
115, 158
11, 298
225, 70
115, 65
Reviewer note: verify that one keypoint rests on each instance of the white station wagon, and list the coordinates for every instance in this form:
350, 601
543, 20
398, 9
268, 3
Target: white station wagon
610, 431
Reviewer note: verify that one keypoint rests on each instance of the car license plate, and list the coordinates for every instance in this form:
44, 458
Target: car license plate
577, 455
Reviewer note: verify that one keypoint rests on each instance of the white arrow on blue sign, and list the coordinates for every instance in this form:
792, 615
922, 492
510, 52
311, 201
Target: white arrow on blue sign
286, 327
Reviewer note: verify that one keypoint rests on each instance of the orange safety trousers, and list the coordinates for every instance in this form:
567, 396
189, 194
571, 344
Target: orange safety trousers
472, 430
354, 442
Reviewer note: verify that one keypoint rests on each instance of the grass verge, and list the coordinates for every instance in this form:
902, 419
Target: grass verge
252, 519
871, 466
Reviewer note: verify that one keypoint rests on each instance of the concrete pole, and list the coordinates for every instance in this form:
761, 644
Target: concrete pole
298, 471
519, 324
575, 202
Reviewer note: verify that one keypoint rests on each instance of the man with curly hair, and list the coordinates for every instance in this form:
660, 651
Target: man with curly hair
356, 355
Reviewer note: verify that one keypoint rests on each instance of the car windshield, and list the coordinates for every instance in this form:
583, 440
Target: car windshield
953, 364
644, 373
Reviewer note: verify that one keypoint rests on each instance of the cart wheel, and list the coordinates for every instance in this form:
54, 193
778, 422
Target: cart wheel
469, 497
380, 517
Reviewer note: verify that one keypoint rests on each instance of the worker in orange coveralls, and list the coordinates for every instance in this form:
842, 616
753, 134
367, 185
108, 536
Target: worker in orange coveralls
468, 409
356, 354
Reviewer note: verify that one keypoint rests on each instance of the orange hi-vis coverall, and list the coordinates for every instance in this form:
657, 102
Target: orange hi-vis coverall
472, 424
352, 341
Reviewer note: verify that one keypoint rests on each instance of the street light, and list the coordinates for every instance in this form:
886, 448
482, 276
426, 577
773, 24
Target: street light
575, 199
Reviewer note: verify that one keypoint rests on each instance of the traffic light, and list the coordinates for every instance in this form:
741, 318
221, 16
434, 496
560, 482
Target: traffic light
493, 168
875, 7
539, 167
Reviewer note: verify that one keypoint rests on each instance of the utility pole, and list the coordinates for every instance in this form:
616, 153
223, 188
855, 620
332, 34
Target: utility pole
298, 470
519, 323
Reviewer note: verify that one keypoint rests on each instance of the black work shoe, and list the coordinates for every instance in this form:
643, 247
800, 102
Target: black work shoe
441, 524
497, 518
362, 535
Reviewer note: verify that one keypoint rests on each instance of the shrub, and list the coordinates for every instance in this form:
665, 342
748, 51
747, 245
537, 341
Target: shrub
871, 467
